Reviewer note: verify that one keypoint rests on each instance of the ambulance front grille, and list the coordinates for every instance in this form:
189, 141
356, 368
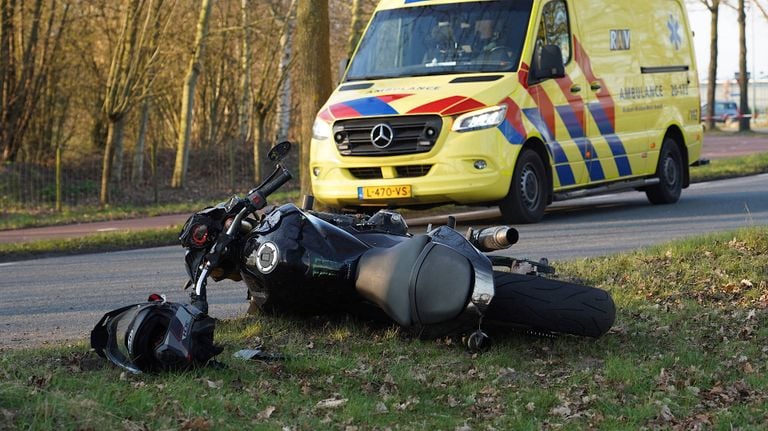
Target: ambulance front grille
366, 173
375, 173
412, 171
410, 134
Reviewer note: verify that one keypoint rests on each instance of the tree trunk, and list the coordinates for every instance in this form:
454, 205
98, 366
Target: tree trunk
153, 171
283, 119
115, 133
712, 71
188, 98
244, 109
6, 76
313, 72
743, 79
59, 205
130, 67
137, 170
22, 75
356, 28
260, 164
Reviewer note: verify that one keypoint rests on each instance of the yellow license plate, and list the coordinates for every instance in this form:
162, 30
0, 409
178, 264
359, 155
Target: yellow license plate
386, 192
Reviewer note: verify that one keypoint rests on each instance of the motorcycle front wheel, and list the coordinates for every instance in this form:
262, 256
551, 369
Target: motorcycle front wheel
548, 305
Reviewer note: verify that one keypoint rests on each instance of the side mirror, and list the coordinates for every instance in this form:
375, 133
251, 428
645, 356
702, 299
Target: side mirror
548, 63
279, 151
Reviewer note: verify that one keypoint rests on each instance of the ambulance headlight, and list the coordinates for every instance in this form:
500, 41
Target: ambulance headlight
480, 119
321, 130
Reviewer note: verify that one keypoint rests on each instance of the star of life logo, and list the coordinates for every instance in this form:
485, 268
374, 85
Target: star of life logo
674, 32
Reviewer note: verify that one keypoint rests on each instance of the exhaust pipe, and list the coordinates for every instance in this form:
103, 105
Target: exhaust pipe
494, 238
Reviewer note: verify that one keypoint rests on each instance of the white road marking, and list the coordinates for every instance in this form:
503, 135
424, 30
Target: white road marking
107, 229
7, 264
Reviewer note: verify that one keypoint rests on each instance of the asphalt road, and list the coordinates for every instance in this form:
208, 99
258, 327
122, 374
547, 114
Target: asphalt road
60, 299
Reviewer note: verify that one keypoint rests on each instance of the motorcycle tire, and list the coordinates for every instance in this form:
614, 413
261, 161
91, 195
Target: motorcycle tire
543, 304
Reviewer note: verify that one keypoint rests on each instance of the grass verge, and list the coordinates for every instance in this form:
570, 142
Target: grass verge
100, 242
688, 351
19, 218
719, 169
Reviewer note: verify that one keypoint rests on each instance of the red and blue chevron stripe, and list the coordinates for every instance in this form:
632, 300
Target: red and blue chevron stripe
543, 118
512, 126
603, 111
366, 107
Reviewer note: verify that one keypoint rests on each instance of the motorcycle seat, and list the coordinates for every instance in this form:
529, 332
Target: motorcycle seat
417, 281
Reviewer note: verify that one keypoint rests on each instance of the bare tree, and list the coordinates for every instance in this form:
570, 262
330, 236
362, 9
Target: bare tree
130, 65
743, 78
356, 28
272, 76
313, 70
137, 170
28, 46
188, 98
762, 9
714, 9
244, 108
283, 109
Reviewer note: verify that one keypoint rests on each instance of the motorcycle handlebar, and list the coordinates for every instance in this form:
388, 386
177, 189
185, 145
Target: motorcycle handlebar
282, 177
258, 196
494, 238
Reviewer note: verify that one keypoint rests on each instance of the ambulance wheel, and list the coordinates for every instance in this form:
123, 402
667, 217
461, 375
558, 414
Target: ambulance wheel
669, 171
527, 197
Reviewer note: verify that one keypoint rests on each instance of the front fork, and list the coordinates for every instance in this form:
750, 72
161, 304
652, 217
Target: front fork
199, 296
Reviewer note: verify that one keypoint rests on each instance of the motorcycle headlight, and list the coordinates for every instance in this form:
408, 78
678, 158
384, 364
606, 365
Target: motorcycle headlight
321, 130
480, 119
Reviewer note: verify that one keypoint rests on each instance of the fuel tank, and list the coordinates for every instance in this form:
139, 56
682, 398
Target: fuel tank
294, 260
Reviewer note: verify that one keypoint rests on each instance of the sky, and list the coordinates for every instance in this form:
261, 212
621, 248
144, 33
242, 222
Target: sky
728, 44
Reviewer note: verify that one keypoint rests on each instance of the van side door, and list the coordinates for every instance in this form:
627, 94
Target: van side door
560, 112
619, 98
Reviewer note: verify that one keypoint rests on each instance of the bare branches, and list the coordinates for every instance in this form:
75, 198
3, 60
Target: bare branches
29, 44
132, 60
763, 9
185, 121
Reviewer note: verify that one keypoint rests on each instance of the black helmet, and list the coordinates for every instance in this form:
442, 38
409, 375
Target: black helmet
155, 335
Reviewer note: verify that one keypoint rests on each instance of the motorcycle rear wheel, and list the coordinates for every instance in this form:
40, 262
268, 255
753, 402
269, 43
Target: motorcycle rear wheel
543, 304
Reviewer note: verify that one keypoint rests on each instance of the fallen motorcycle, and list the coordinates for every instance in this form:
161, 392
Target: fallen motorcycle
294, 259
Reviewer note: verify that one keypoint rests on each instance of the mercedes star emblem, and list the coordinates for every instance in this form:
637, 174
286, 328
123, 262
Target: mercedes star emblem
382, 135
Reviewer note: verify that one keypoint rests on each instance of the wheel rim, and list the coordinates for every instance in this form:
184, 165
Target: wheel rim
670, 172
529, 187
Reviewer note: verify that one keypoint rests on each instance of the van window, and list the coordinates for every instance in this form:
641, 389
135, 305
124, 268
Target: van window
554, 28
442, 39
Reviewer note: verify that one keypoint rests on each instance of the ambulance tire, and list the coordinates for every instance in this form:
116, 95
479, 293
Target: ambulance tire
527, 197
669, 171
550, 306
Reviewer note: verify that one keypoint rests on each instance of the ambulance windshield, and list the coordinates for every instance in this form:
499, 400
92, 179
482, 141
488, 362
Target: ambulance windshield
442, 39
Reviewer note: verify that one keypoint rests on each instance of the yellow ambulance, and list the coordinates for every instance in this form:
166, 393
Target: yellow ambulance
515, 103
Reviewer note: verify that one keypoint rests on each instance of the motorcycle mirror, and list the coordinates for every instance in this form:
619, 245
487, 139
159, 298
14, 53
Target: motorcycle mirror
279, 151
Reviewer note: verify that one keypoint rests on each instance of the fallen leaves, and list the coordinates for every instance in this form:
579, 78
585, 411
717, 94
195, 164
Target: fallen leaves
724, 395
381, 407
266, 413
331, 403
39, 382
196, 424
214, 384
8, 415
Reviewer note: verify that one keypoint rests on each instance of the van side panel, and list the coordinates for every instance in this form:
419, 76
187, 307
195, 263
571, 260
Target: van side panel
554, 107
644, 56
611, 38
